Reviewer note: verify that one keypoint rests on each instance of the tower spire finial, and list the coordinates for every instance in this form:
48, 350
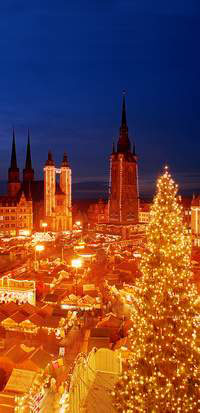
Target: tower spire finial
123, 144
50, 161
28, 172
28, 164
123, 109
13, 171
13, 161
134, 153
65, 159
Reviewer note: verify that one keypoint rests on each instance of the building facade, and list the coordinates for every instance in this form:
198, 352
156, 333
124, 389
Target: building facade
57, 195
195, 220
29, 202
16, 207
123, 183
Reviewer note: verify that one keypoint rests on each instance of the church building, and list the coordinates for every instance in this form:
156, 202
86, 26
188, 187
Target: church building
57, 195
123, 203
30, 202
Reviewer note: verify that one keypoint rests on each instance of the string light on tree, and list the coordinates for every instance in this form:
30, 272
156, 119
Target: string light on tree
162, 373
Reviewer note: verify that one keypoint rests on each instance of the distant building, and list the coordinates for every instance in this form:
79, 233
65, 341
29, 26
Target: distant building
16, 208
186, 203
29, 202
195, 219
98, 212
123, 185
144, 212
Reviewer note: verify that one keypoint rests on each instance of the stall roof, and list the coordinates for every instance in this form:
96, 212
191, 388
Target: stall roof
7, 399
40, 358
28, 309
18, 317
20, 381
19, 353
37, 320
9, 308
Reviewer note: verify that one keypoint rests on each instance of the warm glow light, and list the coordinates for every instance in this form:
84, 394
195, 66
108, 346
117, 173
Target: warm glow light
80, 246
161, 373
25, 232
78, 223
44, 224
39, 247
76, 263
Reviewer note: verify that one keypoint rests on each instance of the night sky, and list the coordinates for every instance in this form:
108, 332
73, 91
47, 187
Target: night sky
64, 64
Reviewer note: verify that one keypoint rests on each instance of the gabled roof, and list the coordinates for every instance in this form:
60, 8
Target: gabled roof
40, 358
17, 353
28, 309
37, 320
9, 308
18, 317
20, 381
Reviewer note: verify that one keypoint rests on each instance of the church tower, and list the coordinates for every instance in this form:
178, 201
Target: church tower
65, 186
123, 185
49, 186
57, 195
28, 172
14, 184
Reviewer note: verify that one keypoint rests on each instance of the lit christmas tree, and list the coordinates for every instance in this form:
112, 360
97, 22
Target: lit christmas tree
162, 373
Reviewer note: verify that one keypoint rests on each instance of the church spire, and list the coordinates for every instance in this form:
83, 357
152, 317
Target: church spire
28, 164
133, 151
28, 172
65, 160
50, 161
13, 161
113, 147
123, 123
13, 172
123, 144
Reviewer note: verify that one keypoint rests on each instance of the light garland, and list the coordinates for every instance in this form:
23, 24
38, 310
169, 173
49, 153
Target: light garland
162, 373
120, 187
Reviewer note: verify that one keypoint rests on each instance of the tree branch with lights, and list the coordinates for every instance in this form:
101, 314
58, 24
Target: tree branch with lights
162, 372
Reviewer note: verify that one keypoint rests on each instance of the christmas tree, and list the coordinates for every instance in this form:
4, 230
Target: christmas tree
162, 373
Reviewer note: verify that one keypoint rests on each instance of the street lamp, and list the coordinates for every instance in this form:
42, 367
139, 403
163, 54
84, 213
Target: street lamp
44, 225
38, 248
76, 263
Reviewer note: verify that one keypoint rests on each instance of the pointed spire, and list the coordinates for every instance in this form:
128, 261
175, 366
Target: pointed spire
13, 161
50, 161
113, 147
123, 123
134, 153
65, 160
28, 172
123, 144
28, 164
13, 171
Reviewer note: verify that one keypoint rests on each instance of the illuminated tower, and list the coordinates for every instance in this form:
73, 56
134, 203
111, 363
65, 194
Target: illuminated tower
28, 172
13, 172
65, 186
57, 195
49, 186
123, 185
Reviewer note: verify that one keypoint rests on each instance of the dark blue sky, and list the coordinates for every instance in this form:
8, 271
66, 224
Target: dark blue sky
64, 64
